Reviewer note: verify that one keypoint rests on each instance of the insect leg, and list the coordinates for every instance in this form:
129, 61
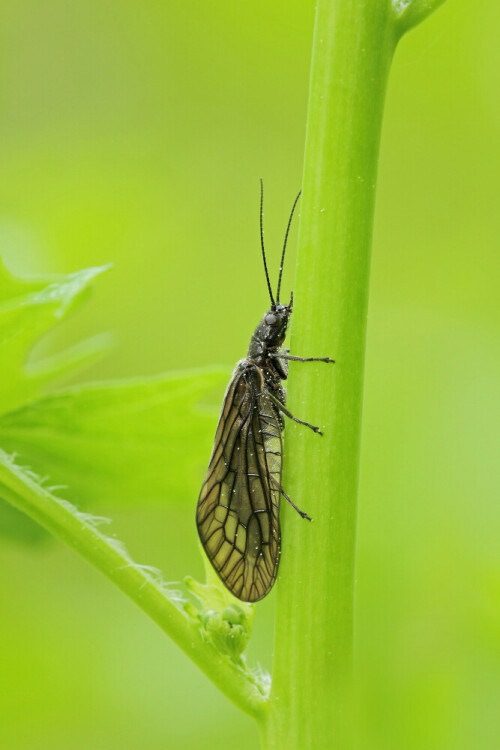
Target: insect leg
285, 411
287, 497
278, 355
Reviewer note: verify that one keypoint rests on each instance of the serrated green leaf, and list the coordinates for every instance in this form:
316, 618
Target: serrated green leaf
28, 309
141, 442
144, 441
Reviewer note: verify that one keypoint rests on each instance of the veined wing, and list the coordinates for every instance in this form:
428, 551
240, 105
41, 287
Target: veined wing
238, 507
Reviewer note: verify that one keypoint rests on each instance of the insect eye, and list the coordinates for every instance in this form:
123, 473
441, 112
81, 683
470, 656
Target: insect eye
271, 319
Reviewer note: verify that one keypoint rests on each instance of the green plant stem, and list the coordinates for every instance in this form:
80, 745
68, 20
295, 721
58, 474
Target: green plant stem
353, 47
352, 52
79, 532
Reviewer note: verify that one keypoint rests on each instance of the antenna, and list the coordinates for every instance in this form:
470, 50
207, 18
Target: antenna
284, 246
273, 303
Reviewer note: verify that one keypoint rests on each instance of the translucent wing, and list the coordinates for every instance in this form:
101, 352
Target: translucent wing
238, 507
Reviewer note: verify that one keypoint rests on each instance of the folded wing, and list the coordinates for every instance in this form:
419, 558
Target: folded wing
238, 507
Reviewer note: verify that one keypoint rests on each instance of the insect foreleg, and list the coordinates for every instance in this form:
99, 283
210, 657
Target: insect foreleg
279, 355
285, 411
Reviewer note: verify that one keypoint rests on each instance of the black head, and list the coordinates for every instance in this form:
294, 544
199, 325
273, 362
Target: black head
271, 331
272, 327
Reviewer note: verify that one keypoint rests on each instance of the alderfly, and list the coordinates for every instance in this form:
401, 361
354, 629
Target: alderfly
238, 508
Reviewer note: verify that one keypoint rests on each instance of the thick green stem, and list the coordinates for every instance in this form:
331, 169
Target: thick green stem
354, 42
352, 53
79, 532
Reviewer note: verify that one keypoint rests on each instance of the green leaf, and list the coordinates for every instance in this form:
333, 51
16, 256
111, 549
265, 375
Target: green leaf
28, 309
144, 441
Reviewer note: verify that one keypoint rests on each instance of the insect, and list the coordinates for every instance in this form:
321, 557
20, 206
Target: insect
238, 508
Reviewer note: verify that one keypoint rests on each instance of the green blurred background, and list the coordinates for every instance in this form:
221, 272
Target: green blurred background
136, 133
